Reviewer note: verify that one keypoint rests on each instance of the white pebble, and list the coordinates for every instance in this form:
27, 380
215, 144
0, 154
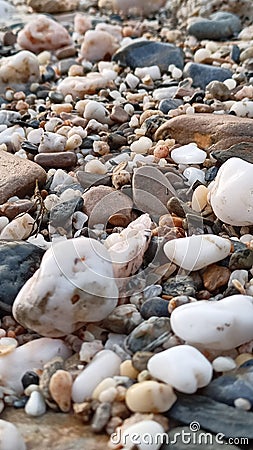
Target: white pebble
35, 136
97, 111
79, 219
246, 238
95, 166
153, 71
193, 174
103, 386
89, 350
242, 403
223, 364
201, 54
134, 121
230, 83
141, 146
108, 395
36, 405
176, 73
188, 154
19, 228
199, 198
132, 80
10, 437
73, 142
3, 222
240, 275
137, 434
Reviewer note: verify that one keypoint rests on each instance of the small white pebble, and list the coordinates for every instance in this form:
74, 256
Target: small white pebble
242, 403
246, 238
3, 222
129, 109
176, 73
230, 83
95, 166
141, 146
201, 54
134, 121
108, 395
223, 364
44, 57
132, 80
79, 219
36, 405
73, 142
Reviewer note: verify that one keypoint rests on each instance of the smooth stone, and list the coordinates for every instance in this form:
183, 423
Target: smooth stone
241, 259
60, 388
154, 307
150, 396
19, 228
80, 86
183, 367
149, 335
192, 174
205, 129
184, 438
137, 433
218, 91
52, 142
190, 253
36, 405
221, 25
231, 197
221, 325
43, 33
214, 277
29, 356
231, 422
24, 184
146, 53
96, 110
242, 150
19, 261
223, 364
57, 300
18, 70
199, 198
61, 214
236, 384
29, 378
123, 319
10, 436
203, 74
88, 180
57, 160
97, 45
104, 365
180, 285
6, 10
167, 105
101, 417
188, 154
151, 190
53, 6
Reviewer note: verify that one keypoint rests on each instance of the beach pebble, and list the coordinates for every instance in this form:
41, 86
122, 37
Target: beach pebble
137, 433
221, 325
43, 33
36, 405
150, 396
53, 6
203, 74
192, 174
95, 166
223, 364
96, 110
190, 253
105, 364
231, 197
60, 388
221, 25
141, 146
19, 228
52, 142
97, 44
79, 86
59, 159
57, 314
188, 154
19, 69
183, 367
10, 437
199, 198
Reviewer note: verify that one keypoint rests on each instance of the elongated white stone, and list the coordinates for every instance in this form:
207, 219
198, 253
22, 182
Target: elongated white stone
221, 325
231, 193
74, 284
105, 364
36, 405
188, 154
183, 367
197, 251
10, 437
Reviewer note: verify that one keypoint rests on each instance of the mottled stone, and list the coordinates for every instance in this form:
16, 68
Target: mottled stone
23, 184
241, 259
215, 277
12, 209
154, 307
97, 45
221, 25
180, 285
18, 70
57, 160
146, 53
79, 86
204, 129
203, 74
60, 387
88, 180
148, 335
19, 261
123, 319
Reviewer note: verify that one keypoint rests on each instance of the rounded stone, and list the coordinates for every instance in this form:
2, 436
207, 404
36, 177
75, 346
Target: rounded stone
154, 307
150, 396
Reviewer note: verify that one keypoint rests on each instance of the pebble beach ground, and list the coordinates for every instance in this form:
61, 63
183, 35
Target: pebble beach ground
126, 224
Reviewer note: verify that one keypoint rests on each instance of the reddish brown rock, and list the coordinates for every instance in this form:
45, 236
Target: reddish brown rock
61, 159
18, 176
13, 209
204, 129
119, 115
215, 277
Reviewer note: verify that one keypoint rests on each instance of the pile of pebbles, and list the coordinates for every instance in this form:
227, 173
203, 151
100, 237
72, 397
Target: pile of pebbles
126, 218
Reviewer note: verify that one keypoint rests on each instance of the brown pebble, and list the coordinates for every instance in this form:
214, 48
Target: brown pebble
119, 115
12, 209
65, 52
60, 387
61, 159
9, 38
119, 220
215, 277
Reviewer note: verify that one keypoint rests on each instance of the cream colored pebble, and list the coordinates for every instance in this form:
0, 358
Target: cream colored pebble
199, 198
127, 369
95, 166
73, 142
103, 386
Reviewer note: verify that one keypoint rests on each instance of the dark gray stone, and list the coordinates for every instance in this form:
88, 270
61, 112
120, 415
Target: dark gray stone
241, 259
155, 307
243, 150
166, 105
213, 416
18, 262
61, 214
221, 25
149, 53
203, 74
180, 285
88, 180
180, 438
149, 335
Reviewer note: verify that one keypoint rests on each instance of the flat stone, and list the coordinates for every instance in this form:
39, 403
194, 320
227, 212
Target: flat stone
167, 105
57, 160
203, 74
221, 25
151, 190
23, 184
12, 209
214, 416
241, 259
180, 285
204, 129
19, 261
184, 438
88, 180
149, 53
53, 6
58, 431
242, 150
79, 86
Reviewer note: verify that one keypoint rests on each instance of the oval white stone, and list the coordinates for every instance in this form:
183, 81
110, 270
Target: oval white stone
223, 364
150, 396
36, 405
221, 325
188, 154
231, 193
10, 437
105, 364
147, 435
183, 367
197, 251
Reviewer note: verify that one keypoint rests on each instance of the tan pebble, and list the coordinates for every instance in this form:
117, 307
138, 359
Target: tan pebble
60, 387
62, 107
73, 142
199, 198
242, 358
166, 221
7, 345
95, 166
144, 376
161, 151
127, 370
101, 147
104, 385
150, 396
108, 395
119, 220
75, 71
119, 409
121, 394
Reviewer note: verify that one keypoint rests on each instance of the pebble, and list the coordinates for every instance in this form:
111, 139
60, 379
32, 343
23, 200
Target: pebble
231, 197
43, 33
241, 259
80, 291
95, 166
188, 154
30, 378
105, 364
79, 86
190, 253
134, 435
10, 437
127, 369
199, 198
221, 25
36, 405
203, 74
53, 6
221, 325
145, 8
144, 53
214, 277
149, 335
180, 285
18, 70
223, 364
123, 319
96, 110
52, 142
154, 307
97, 44
19, 228
150, 396
141, 146
60, 159
60, 388
183, 367
243, 150
101, 417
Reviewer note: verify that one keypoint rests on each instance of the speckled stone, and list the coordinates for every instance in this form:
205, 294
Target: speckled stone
241, 259
148, 335
221, 25
242, 150
155, 307
180, 285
